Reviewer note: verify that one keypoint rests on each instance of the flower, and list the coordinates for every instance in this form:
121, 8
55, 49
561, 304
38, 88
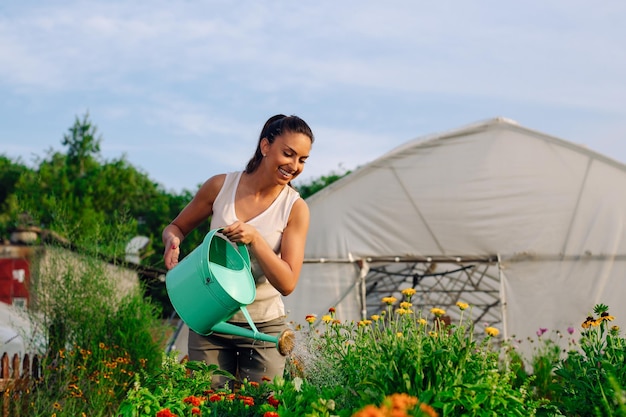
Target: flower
327, 318
193, 400
165, 413
541, 331
461, 305
589, 321
271, 414
438, 311
311, 318
363, 323
196, 410
375, 317
432, 333
389, 300
402, 311
399, 334
570, 330
422, 322
605, 316
492, 331
408, 292
332, 311
405, 305
271, 400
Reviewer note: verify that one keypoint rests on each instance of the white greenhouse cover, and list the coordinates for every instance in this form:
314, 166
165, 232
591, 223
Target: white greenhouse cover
527, 228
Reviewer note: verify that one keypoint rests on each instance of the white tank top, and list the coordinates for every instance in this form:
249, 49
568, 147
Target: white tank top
268, 304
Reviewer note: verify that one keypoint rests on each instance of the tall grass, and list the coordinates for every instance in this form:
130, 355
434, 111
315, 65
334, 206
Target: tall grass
96, 332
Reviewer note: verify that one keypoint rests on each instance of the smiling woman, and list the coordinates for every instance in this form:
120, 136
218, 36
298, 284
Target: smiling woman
259, 208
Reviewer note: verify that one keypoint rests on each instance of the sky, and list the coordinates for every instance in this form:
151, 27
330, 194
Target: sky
181, 89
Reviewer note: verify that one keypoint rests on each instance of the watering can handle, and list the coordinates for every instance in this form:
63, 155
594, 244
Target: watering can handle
242, 248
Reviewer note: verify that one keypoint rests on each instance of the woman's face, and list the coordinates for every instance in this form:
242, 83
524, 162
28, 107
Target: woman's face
285, 157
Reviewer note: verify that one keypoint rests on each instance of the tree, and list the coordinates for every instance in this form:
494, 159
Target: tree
83, 145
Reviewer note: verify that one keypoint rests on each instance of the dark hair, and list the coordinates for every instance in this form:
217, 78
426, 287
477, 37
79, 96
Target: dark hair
276, 126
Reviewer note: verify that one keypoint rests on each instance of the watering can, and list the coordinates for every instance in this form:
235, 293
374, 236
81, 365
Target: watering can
211, 284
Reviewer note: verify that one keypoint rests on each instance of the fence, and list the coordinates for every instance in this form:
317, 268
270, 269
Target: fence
15, 377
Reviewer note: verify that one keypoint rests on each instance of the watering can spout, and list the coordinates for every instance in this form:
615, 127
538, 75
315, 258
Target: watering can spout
284, 341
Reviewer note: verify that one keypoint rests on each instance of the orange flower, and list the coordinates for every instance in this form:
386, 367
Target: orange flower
310, 318
193, 400
196, 410
271, 400
165, 413
271, 414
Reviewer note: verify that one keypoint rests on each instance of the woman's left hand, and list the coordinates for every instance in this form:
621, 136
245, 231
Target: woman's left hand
240, 232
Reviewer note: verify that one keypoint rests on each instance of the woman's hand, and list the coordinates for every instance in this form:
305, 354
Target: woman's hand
172, 252
240, 232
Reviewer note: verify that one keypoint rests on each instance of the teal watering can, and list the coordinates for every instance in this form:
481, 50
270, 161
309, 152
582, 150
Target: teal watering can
211, 284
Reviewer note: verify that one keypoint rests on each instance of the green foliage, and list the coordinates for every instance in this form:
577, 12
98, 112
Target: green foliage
95, 331
309, 188
442, 365
591, 380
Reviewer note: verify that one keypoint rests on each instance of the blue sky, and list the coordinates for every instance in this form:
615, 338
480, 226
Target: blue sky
182, 88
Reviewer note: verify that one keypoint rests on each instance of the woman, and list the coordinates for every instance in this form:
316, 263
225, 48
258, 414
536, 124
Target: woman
257, 207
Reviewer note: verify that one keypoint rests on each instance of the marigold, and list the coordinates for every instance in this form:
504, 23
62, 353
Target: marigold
310, 318
409, 292
327, 318
422, 322
461, 305
389, 300
271, 400
196, 410
406, 305
492, 331
165, 413
589, 321
438, 311
375, 317
271, 414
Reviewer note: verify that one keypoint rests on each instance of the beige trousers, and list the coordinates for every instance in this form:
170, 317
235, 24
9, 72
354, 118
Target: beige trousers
243, 357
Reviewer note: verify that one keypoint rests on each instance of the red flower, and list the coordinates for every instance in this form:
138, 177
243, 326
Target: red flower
193, 400
273, 401
165, 413
271, 414
266, 379
196, 410
215, 398
247, 400
254, 384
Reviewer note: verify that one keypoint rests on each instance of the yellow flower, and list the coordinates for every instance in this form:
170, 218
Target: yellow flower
606, 316
422, 322
375, 317
462, 305
432, 334
327, 318
589, 321
310, 318
409, 292
389, 300
363, 323
438, 311
492, 331
399, 334
406, 305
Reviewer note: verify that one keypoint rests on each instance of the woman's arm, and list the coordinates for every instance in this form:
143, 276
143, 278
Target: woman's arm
198, 210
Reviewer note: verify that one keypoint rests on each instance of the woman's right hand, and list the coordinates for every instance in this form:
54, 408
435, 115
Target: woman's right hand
172, 252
